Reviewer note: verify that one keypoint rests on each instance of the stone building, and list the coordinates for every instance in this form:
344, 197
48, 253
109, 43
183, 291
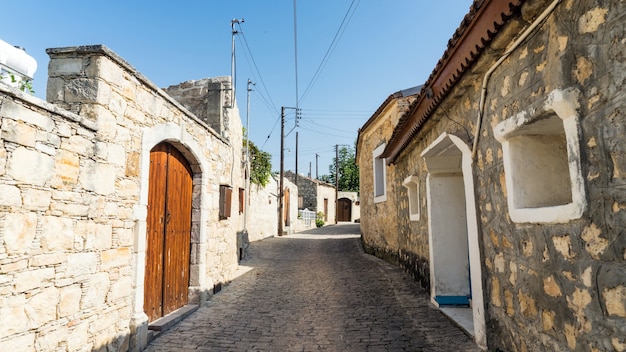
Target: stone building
509, 177
348, 207
97, 185
315, 195
378, 196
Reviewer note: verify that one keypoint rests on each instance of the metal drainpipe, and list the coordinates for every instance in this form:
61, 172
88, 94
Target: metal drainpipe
516, 43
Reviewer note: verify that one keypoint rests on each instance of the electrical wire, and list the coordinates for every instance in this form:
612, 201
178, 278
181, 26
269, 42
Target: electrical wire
342, 27
256, 69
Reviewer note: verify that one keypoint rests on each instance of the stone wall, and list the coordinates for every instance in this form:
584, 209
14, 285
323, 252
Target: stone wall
380, 221
551, 283
74, 197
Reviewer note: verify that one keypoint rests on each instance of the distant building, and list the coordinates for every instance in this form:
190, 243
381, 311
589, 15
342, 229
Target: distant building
315, 195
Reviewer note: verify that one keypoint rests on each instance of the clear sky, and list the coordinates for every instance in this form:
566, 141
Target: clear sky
382, 47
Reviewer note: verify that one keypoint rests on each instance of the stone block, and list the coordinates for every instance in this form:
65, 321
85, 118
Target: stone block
79, 145
19, 132
30, 167
19, 112
78, 337
13, 319
65, 67
56, 234
32, 279
81, 264
10, 196
96, 289
35, 199
98, 177
121, 288
67, 167
22, 343
615, 301
42, 307
115, 258
116, 154
19, 232
69, 300
47, 259
14, 266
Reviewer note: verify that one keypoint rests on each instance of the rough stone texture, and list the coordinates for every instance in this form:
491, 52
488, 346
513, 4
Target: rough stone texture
72, 202
382, 226
547, 286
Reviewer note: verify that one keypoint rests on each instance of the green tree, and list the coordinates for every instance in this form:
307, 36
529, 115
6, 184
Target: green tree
260, 165
348, 170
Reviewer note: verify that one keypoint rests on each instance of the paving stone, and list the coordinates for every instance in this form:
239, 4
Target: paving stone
316, 291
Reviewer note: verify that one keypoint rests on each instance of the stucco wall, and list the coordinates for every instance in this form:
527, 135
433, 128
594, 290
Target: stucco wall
74, 199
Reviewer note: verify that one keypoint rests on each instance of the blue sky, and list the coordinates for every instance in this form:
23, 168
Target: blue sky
383, 47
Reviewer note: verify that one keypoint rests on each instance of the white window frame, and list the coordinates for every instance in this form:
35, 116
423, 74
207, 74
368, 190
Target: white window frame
564, 104
412, 186
379, 169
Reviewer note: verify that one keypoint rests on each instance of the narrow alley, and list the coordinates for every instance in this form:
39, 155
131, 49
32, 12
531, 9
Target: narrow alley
314, 291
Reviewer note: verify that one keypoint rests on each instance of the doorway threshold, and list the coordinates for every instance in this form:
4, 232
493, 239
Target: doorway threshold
167, 322
461, 316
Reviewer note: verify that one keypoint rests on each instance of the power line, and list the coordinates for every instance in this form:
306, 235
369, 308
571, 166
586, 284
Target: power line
340, 30
256, 69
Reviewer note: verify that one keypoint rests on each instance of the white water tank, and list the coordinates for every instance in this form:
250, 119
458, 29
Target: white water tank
15, 61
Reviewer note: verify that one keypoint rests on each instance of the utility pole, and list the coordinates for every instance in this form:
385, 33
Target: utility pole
247, 168
296, 158
317, 157
309, 169
282, 170
232, 60
336, 181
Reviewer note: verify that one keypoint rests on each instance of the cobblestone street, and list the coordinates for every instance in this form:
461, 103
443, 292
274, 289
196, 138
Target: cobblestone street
315, 291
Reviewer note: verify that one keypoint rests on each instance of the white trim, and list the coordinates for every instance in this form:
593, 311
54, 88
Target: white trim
382, 164
440, 161
565, 104
413, 193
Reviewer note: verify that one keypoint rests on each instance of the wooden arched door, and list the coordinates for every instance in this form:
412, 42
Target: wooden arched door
166, 283
344, 210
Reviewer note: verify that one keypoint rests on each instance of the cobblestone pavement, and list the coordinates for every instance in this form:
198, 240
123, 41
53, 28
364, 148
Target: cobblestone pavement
316, 291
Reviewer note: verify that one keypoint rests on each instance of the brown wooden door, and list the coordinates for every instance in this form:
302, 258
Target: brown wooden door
344, 210
168, 231
286, 205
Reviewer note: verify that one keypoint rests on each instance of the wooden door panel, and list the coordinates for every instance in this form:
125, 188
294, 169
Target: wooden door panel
178, 234
169, 232
155, 227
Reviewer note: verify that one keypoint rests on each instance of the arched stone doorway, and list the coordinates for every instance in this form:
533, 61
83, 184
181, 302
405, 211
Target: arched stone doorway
168, 231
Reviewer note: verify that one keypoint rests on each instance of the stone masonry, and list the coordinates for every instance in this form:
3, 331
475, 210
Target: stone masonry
73, 193
555, 284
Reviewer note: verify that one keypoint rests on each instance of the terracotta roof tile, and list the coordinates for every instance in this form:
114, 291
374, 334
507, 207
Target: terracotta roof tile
474, 34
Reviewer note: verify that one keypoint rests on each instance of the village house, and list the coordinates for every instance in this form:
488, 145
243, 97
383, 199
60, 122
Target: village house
501, 189
314, 195
348, 206
98, 186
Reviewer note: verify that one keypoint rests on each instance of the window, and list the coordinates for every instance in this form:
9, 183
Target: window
541, 157
242, 200
226, 193
380, 175
412, 186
